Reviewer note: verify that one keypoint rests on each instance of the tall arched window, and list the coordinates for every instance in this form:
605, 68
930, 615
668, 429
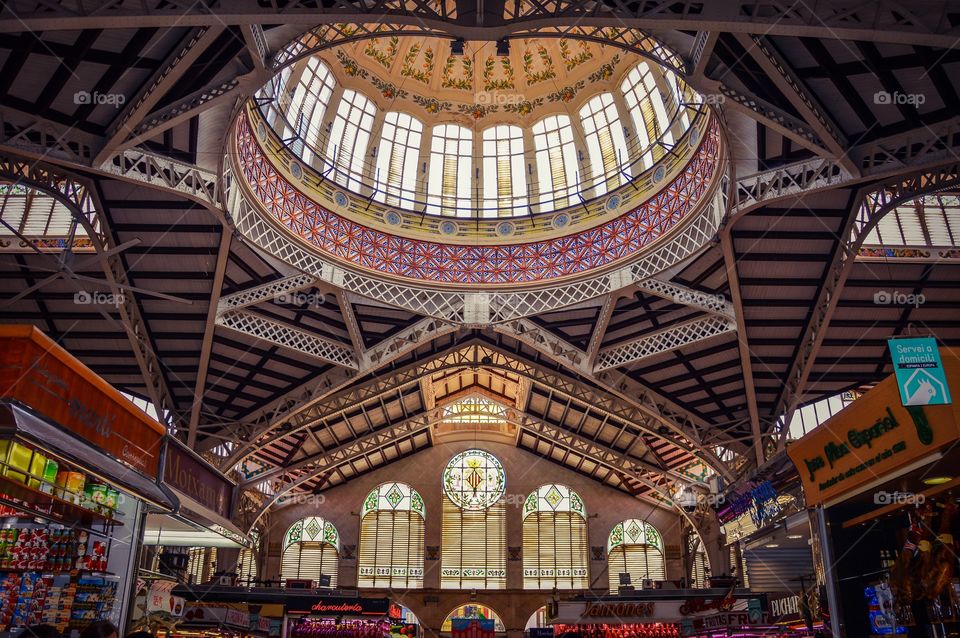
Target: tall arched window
635, 547
451, 161
605, 142
391, 538
647, 108
556, 161
397, 159
504, 183
699, 561
474, 523
554, 539
311, 549
349, 138
308, 104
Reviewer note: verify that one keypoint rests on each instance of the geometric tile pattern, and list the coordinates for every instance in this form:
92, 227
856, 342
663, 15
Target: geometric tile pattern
436, 262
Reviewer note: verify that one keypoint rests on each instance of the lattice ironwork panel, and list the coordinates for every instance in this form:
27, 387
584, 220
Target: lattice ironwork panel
663, 340
288, 337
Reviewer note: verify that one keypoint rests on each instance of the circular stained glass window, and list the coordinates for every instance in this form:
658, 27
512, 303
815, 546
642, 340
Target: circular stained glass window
474, 480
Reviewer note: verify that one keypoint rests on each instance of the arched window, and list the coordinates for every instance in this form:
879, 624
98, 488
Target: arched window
391, 538
556, 161
554, 539
349, 138
311, 549
648, 110
397, 159
635, 547
308, 104
605, 142
472, 611
451, 161
699, 561
201, 563
504, 183
247, 566
474, 523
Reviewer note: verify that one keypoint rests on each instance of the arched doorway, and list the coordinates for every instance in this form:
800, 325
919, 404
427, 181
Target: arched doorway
473, 611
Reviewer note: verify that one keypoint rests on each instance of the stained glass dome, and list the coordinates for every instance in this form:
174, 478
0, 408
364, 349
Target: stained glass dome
474, 480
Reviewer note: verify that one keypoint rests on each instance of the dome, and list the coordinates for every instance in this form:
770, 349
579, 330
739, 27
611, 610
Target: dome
550, 159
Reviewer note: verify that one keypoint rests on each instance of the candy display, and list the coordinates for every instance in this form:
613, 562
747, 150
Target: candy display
327, 628
55, 550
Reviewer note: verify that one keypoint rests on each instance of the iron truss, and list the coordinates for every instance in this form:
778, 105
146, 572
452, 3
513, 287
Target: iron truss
79, 196
872, 21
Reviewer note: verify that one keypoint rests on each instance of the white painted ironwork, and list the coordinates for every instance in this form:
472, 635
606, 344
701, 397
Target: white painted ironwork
265, 292
712, 303
288, 337
157, 170
671, 338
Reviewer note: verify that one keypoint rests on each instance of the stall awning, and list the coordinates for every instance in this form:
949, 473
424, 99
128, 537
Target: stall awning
17, 420
192, 526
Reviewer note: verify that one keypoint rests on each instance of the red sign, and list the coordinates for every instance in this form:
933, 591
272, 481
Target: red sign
700, 605
43, 376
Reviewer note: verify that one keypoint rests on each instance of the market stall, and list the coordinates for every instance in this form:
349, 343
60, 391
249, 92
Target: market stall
337, 617
662, 614
79, 464
882, 477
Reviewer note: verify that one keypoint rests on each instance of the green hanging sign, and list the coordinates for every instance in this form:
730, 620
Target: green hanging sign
919, 371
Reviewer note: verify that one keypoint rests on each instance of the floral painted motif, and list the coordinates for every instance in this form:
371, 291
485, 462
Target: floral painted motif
477, 111
497, 82
384, 56
388, 89
419, 260
432, 104
567, 93
523, 108
420, 72
350, 66
572, 58
546, 71
605, 72
463, 79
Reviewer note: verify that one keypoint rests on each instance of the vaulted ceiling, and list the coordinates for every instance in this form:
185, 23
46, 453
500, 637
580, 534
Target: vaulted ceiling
821, 110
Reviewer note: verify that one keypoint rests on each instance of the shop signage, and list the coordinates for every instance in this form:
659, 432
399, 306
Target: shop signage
338, 606
919, 371
43, 376
193, 477
669, 610
260, 624
873, 436
161, 600
205, 614
785, 607
722, 621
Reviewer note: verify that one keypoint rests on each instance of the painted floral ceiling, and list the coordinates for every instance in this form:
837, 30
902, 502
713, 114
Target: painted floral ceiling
537, 73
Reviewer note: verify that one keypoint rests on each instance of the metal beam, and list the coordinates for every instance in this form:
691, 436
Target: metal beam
663, 340
882, 21
158, 171
715, 304
162, 81
746, 363
206, 346
870, 204
350, 319
289, 337
600, 328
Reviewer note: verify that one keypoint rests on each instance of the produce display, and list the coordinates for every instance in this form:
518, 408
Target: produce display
658, 630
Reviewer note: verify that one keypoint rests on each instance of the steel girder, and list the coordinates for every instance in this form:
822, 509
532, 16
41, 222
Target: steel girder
80, 196
871, 204
659, 341
883, 20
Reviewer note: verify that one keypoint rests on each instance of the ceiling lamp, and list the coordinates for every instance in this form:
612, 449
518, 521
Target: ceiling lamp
937, 480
